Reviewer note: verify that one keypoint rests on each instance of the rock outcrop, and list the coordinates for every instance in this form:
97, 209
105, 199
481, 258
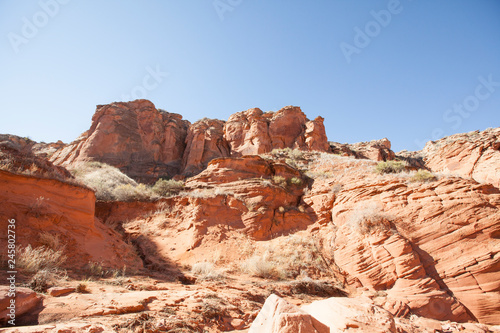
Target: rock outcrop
146, 143
473, 155
204, 142
376, 150
58, 208
140, 140
25, 300
254, 132
421, 244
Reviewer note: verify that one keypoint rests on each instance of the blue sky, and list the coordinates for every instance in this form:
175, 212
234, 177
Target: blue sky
407, 70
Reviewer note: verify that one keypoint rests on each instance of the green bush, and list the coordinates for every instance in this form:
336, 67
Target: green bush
390, 167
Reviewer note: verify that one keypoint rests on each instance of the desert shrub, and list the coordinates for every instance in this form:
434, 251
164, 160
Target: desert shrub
423, 176
82, 288
44, 279
320, 288
280, 181
368, 217
296, 181
291, 162
128, 192
164, 187
40, 258
96, 269
50, 241
390, 167
207, 271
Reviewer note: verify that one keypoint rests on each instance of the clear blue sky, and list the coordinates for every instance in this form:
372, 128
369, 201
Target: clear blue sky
226, 56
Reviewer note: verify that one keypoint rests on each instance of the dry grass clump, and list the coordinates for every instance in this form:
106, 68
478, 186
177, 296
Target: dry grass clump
286, 258
207, 271
279, 180
368, 217
44, 279
260, 267
50, 241
423, 176
390, 167
40, 258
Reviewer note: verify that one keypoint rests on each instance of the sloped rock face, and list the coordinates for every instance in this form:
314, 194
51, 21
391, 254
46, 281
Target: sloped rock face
18, 158
46, 205
473, 155
255, 132
433, 247
143, 142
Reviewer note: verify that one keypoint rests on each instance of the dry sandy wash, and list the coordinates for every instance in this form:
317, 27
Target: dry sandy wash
148, 223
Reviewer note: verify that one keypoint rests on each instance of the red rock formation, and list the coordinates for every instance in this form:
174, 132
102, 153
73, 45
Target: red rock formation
376, 150
473, 155
143, 142
146, 143
47, 205
254, 132
204, 142
423, 244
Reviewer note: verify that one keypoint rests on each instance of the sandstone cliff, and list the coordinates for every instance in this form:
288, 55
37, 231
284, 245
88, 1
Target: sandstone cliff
147, 144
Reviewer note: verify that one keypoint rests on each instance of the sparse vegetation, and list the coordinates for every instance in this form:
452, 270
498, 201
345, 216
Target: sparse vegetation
205, 193
51, 241
40, 258
260, 267
207, 271
129, 192
44, 279
39, 207
169, 187
291, 257
390, 167
423, 176
104, 179
368, 217
82, 288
